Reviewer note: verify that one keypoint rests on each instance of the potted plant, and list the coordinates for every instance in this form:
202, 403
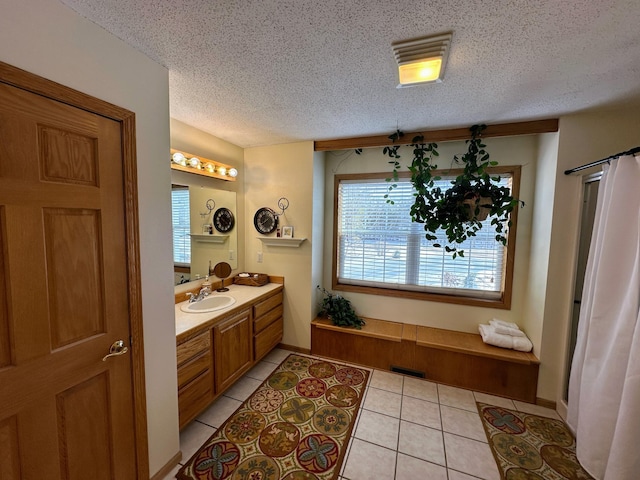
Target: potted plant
459, 210
339, 310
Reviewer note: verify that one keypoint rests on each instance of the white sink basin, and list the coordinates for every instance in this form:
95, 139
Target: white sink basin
209, 304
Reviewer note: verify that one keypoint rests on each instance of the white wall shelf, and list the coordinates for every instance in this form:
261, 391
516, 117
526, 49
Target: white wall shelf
281, 242
209, 238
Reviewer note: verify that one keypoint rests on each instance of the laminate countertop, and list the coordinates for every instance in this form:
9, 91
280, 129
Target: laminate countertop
244, 295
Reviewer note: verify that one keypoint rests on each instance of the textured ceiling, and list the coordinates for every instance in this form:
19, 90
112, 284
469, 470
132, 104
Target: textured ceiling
261, 72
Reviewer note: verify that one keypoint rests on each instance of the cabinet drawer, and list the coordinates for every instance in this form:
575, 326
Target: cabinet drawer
193, 347
260, 323
194, 397
264, 306
194, 367
267, 339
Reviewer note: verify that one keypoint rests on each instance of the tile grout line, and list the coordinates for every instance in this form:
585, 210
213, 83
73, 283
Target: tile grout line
444, 444
441, 429
403, 453
395, 471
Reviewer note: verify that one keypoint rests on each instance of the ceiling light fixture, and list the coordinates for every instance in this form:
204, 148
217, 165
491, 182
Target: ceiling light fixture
422, 60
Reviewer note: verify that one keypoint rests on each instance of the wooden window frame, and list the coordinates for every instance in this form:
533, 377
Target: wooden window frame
504, 302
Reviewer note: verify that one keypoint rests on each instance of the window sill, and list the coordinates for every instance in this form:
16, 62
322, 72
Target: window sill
503, 303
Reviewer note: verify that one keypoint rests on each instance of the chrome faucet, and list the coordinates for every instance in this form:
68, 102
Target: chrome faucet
204, 292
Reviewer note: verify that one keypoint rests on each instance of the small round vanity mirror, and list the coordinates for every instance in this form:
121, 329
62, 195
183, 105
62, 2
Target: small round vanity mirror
222, 270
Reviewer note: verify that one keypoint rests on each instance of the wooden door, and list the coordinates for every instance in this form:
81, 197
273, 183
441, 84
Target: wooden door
64, 412
233, 348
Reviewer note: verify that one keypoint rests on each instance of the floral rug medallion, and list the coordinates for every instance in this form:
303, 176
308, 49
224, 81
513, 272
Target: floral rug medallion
295, 426
530, 447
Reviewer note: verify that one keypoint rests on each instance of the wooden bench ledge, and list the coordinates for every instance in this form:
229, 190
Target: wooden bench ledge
461, 342
469, 343
444, 356
382, 329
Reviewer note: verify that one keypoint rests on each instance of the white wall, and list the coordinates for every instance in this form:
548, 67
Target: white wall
507, 151
47, 38
546, 166
317, 240
583, 138
271, 173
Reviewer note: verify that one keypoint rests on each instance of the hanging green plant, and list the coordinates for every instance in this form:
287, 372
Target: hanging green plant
339, 310
459, 210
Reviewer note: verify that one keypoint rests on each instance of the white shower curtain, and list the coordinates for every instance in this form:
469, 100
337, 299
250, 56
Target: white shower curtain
604, 386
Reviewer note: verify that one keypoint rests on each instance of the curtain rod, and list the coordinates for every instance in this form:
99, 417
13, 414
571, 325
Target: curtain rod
604, 160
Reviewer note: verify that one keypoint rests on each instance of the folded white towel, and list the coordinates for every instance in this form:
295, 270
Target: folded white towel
522, 344
491, 337
499, 327
502, 323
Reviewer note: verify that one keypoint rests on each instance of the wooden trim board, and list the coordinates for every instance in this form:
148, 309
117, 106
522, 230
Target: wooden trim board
293, 348
443, 135
170, 465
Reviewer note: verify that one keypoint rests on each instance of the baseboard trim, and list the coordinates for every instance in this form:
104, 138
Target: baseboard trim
170, 465
546, 403
292, 348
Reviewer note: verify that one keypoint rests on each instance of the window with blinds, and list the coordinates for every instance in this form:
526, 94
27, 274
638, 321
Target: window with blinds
379, 246
181, 225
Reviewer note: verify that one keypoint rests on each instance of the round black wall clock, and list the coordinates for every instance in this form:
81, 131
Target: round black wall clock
265, 220
223, 220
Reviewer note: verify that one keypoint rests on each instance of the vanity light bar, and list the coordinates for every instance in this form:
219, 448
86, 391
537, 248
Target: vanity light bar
186, 162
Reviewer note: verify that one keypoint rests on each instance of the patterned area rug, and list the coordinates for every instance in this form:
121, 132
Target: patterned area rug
295, 426
530, 447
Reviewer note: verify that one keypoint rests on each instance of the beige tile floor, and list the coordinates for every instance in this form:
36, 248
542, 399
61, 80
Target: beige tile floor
407, 428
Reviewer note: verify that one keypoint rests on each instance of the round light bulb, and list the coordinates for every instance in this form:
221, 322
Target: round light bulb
194, 162
222, 170
233, 172
178, 158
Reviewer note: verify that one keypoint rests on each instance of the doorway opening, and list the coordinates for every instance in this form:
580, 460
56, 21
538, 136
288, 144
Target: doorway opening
591, 184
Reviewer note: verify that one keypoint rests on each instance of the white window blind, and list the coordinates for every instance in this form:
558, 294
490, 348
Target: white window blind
379, 245
181, 225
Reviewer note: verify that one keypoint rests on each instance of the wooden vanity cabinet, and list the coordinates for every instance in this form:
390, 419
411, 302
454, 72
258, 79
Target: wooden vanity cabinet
195, 376
233, 352
213, 358
267, 325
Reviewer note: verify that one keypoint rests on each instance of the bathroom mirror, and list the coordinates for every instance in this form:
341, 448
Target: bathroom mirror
193, 246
